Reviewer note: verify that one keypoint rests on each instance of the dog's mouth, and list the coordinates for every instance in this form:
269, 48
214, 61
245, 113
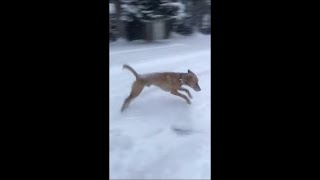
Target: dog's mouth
197, 87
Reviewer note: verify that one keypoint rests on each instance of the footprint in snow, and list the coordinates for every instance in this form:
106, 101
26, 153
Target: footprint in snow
120, 141
181, 131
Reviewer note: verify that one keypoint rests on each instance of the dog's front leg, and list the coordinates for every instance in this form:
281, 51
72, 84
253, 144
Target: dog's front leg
175, 92
187, 91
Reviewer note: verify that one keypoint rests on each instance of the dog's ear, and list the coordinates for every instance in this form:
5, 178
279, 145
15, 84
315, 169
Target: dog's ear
189, 71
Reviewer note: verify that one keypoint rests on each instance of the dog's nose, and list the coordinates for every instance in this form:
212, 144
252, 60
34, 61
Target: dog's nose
197, 88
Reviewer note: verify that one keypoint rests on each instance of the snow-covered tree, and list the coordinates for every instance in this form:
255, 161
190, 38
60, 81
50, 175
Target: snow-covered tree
113, 31
201, 15
184, 25
148, 10
206, 24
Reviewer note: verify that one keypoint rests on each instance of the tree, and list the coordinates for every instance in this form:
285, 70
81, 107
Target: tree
205, 27
201, 14
113, 30
148, 10
184, 25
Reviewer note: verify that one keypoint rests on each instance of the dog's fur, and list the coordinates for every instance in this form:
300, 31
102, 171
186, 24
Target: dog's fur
167, 81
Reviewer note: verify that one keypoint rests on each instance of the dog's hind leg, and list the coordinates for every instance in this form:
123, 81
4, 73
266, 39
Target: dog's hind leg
187, 91
174, 92
137, 87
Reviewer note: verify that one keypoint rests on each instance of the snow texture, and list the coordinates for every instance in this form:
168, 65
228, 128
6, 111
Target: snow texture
112, 8
160, 136
181, 9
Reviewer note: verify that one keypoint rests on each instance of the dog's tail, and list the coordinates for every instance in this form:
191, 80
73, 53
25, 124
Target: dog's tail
125, 66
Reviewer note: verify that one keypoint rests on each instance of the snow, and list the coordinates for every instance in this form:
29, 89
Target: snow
142, 11
177, 4
160, 136
112, 8
130, 9
181, 9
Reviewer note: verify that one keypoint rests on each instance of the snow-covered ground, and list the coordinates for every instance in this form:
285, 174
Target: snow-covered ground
160, 136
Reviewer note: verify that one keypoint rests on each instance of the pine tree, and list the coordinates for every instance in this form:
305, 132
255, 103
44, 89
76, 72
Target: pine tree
205, 25
201, 10
113, 31
184, 25
148, 10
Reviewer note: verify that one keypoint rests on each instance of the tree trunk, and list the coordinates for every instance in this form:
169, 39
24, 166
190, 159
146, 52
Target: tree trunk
120, 24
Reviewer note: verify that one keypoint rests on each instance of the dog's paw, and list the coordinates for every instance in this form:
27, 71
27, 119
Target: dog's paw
123, 108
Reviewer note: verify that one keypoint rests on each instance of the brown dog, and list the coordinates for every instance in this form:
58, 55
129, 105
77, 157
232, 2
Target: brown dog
167, 81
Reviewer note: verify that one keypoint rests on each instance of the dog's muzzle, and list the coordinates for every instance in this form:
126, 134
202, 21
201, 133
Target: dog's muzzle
197, 87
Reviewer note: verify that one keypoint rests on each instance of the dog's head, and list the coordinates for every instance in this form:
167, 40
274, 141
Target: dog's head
192, 81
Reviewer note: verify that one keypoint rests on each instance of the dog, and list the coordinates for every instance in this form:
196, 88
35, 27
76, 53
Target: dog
168, 81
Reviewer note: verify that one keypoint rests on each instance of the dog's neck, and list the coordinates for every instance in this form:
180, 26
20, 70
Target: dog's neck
181, 78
